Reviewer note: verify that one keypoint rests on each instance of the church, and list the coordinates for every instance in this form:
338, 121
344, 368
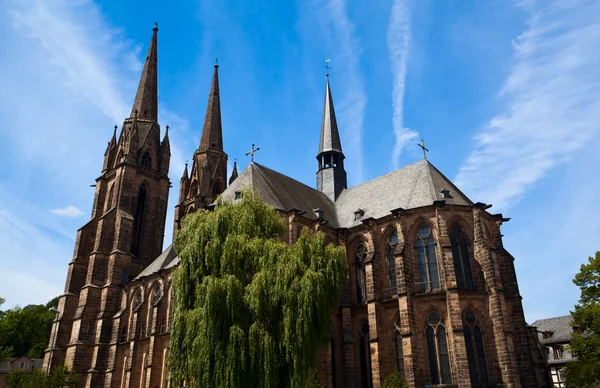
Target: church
431, 291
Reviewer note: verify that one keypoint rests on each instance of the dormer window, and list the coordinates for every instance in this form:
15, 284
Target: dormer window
445, 193
358, 214
547, 334
320, 214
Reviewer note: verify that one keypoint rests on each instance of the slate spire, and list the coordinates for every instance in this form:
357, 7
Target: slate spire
331, 176
212, 131
330, 136
146, 98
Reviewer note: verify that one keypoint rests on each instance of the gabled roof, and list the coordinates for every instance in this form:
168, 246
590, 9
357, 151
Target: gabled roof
412, 186
283, 192
559, 328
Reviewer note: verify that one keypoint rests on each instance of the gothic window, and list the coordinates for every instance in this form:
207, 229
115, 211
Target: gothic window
361, 277
216, 188
194, 188
138, 221
437, 349
428, 270
156, 294
475, 349
147, 160
391, 257
365, 356
136, 301
124, 334
460, 256
399, 351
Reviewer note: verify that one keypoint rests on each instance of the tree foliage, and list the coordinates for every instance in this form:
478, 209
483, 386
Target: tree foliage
26, 330
61, 377
250, 310
586, 319
393, 380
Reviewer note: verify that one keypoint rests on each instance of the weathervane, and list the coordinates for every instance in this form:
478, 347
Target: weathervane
422, 145
252, 152
155, 24
327, 67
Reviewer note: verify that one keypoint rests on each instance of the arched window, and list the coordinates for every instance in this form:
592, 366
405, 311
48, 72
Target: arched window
437, 349
399, 351
391, 257
124, 334
147, 160
136, 301
194, 188
475, 349
361, 277
460, 256
155, 294
365, 357
428, 270
216, 188
138, 221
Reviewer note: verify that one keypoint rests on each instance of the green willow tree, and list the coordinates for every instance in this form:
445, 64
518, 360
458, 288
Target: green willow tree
250, 310
585, 372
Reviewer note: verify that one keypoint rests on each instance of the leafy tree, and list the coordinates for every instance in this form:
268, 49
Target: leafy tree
53, 303
60, 378
5, 352
26, 330
250, 310
394, 380
586, 320
2, 300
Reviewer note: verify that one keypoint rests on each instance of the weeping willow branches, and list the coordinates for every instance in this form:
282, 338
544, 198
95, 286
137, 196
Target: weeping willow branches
250, 310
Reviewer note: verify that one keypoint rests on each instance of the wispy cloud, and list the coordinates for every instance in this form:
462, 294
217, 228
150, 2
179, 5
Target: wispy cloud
552, 105
68, 211
398, 42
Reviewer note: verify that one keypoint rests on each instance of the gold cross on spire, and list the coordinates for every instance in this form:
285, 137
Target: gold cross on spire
252, 152
425, 150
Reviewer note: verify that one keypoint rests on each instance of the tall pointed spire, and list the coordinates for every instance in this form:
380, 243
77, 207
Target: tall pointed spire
234, 174
330, 137
331, 176
212, 132
146, 98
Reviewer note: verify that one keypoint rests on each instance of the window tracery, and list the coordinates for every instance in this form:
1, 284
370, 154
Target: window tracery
437, 349
475, 349
361, 278
460, 257
391, 258
146, 160
427, 258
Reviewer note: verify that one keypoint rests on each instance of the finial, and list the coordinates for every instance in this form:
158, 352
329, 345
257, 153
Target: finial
216, 62
422, 145
155, 26
252, 152
327, 67
167, 129
115, 128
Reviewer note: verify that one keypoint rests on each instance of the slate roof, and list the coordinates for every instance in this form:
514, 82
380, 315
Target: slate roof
412, 186
330, 136
416, 185
560, 327
165, 260
282, 192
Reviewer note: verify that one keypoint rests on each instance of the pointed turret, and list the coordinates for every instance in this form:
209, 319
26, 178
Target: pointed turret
212, 132
184, 183
234, 173
146, 98
331, 176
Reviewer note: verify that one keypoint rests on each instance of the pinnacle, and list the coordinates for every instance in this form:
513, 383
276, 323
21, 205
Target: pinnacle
146, 98
330, 137
212, 132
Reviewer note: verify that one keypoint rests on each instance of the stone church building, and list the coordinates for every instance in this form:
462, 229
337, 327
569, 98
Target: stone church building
431, 290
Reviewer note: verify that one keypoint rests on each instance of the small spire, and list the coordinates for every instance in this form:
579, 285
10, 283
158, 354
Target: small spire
212, 131
114, 136
330, 136
146, 98
165, 143
185, 172
234, 173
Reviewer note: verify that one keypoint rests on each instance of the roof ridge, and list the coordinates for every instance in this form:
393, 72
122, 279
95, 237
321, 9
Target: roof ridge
412, 191
384, 175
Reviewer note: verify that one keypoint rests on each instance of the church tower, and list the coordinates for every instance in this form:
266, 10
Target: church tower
125, 233
331, 177
208, 175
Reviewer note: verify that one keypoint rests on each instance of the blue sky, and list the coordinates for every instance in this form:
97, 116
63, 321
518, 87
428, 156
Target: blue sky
505, 93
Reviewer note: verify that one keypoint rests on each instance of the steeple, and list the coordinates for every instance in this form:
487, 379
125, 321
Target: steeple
212, 132
330, 136
234, 173
146, 98
331, 176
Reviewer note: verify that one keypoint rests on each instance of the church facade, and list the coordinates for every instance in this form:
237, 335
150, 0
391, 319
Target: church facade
431, 291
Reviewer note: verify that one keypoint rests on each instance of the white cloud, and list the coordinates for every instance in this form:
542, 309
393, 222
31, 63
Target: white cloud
68, 211
552, 105
398, 42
